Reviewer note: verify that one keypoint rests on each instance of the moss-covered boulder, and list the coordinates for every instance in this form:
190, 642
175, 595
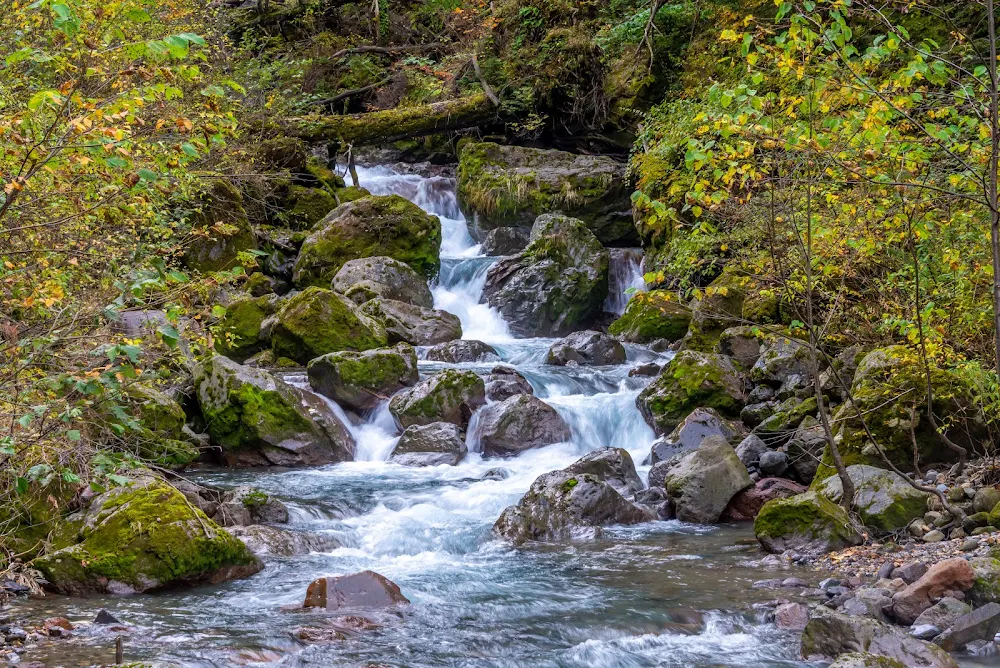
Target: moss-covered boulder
361, 381
315, 322
160, 437
450, 396
692, 380
239, 333
220, 229
301, 207
557, 285
143, 537
510, 185
786, 417
258, 419
785, 364
809, 523
652, 315
372, 226
883, 500
416, 325
717, 308
371, 277
865, 660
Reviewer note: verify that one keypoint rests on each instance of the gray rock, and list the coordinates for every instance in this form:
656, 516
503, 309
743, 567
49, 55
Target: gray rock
430, 445
791, 616
612, 465
942, 614
980, 624
505, 241
773, 463
701, 483
742, 344
689, 434
380, 276
784, 362
505, 382
247, 505
750, 449
925, 631
985, 500
519, 423
416, 325
449, 396
586, 348
884, 501
267, 540
910, 573
462, 351
361, 381
871, 602
805, 449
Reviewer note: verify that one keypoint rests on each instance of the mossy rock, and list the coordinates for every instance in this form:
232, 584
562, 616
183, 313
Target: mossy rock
34, 517
450, 396
809, 523
145, 537
782, 423
717, 308
302, 207
692, 380
371, 226
220, 228
283, 153
652, 315
325, 176
351, 194
361, 381
315, 322
883, 500
239, 332
866, 660
168, 453
157, 411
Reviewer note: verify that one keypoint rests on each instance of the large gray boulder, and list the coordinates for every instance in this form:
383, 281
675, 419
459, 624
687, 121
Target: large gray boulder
461, 351
371, 277
883, 500
505, 240
450, 396
701, 483
586, 348
556, 285
689, 434
519, 423
316, 321
785, 364
361, 381
258, 420
612, 465
416, 325
430, 445
505, 382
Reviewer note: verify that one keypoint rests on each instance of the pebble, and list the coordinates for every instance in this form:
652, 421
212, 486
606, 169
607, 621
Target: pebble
885, 570
794, 582
969, 545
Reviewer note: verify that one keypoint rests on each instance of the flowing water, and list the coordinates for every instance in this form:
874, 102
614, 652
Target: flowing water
658, 594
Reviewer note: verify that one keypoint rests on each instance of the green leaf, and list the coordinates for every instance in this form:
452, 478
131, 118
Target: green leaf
147, 175
73, 434
136, 15
70, 477
21, 485
169, 334
219, 311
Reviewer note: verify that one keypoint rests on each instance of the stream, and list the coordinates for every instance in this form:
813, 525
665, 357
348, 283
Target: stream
657, 594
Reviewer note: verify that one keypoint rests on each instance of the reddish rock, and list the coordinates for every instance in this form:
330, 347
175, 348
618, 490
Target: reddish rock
366, 589
792, 616
57, 622
951, 574
744, 506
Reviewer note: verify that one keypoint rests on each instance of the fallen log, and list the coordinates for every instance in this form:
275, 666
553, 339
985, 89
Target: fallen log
382, 127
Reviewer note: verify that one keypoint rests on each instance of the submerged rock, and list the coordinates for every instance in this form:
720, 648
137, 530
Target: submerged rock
519, 423
692, 380
505, 382
430, 445
364, 590
701, 483
371, 277
406, 323
808, 523
588, 348
450, 396
315, 322
361, 381
462, 351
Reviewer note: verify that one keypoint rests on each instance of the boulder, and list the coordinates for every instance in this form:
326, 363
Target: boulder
784, 364
366, 590
865, 660
243, 506
373, 226
361, 381
742, 344
883, 500
519, 423
562, 505
945, 576
586, 348
652, 316
143, 537
942, 614
718, 307
462, 351
791, 616
430, 445
505, 241
830, 634
416, 325
746, 505
773, 463
220, 229
449, 396
689, 434
779, 427
750, 449
380, 276
505, 382
258, 419
556, 285
301, 207
980, 624
316, 321
808, 523
692, 380
612, 465
986, 588
265, 540
703, 482
986, 499
511, 185
805, 449
238, 334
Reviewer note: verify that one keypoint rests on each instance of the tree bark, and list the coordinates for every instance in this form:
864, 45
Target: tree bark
992, 179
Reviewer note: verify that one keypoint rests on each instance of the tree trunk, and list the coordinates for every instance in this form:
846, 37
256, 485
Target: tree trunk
992, 179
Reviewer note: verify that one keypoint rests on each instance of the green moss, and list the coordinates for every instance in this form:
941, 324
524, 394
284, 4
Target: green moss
692, 380
220, 228
317, 321
248, 412
169, 453
810, 515
326, 177
448, 391
304, 207
650, 316
238, 335
351, 194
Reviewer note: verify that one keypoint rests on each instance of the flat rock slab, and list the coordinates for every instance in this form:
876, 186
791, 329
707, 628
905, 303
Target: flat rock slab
366, 589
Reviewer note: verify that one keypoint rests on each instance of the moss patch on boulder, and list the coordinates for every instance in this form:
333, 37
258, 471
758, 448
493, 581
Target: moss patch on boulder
220, 228
809, 523
315, 322
692, 380
238, 335
652, 315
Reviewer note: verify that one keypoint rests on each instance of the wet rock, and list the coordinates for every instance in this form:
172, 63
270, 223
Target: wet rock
562, 505
265, 540
105, 618
612, 465
364, 590
316, 321
791, 616
505, 241
750, 449
416, 325
519, 423
701, 483
745, 506
883, 500
556, 285
773, 463
587, 348
361, 381
808, 523
948, 575
496, 474
942, 614
505, 382
692, 380
980, 624
371, 226
247, 505
314, 634
430, 445
260, 420
805, 449
371, 277
648, 369
462, 351
651, 316
449, 396
689, 434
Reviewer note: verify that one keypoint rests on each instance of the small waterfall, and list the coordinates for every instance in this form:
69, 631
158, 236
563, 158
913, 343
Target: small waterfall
624, 278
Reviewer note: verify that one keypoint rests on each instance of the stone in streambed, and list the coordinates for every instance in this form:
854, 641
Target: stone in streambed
505, 382
612, 465
462, 351
745, 506
265, 540
586, 348
430, 445
980, 624
689, 434
367, 278
701, 483
808, 523
505, 241
365, 590
519, 423
865, 660
949, 575
361, 381
650, 316
943, 613
316, 321
416, 325
449, 396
